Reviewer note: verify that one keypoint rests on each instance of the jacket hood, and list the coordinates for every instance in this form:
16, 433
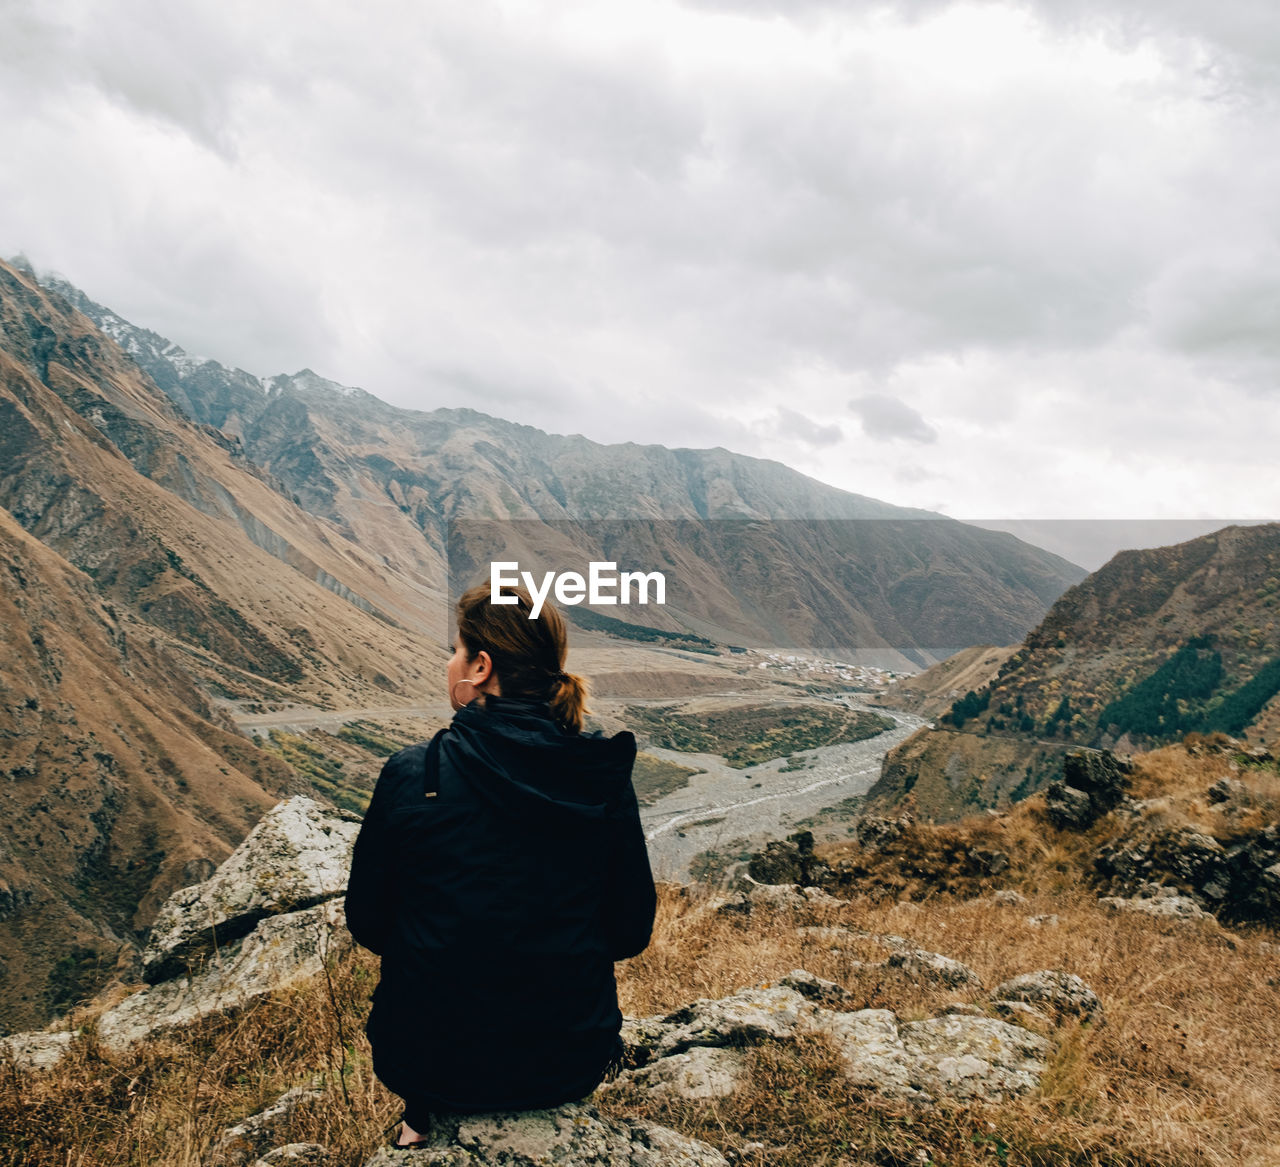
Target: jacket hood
517, 756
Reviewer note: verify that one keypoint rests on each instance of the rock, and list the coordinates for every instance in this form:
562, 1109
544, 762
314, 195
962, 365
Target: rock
1061, 994
1170, 905
781, 897
699, 1073
297, 856
978, 1058
873, 1053
826, 993
1093, 782
254, 1136
931, 966
1021, 1012
876, 832
953, 1056
280, 951
750, 1015
575, 1135
792, 861
1047, 920
1067, 807
36, 1051
1226, 790
306, 1154
1008, 897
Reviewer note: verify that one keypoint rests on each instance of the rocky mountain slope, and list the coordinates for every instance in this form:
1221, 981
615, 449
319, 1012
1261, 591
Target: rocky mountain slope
858, 574
152, 576
1154, 645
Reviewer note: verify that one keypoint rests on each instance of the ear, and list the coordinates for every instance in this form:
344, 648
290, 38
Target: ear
482, 663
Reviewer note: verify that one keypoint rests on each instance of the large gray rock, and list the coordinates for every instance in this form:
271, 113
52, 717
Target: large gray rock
749, 1016
297, 856
1155, 900
953, 1056
569, 1136
699, 1073
279, 952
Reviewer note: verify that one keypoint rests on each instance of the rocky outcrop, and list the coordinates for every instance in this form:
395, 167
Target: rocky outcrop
1093, 783
296, 857
571, 1136
269, 917
1239, 881
700, 1051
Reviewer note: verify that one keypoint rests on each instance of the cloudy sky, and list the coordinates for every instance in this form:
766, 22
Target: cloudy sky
995, 259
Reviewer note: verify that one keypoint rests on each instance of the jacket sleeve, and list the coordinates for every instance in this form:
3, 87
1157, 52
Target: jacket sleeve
371, 887
631, 898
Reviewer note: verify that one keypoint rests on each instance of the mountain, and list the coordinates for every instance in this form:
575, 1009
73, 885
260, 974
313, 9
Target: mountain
736, 534
1154, 645
184, 543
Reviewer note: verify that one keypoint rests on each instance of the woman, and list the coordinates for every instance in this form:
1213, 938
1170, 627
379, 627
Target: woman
500, 871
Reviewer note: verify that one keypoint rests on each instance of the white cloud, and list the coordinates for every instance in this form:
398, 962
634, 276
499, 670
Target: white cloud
1046, 228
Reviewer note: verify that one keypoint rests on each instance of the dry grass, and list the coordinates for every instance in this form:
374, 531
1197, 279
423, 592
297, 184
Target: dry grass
1183, 1073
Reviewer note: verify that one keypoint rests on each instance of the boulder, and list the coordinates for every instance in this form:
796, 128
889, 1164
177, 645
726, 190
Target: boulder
953, 1056
700, 1072
748, 1016
576, 1135
279, 952
1049, 991
1154, 900
921, 965
1093, 782
297, 856
36, 1051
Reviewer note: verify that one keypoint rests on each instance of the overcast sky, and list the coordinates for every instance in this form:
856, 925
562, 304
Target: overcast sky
995, 259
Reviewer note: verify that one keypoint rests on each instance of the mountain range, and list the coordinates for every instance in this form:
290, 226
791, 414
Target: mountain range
183, 542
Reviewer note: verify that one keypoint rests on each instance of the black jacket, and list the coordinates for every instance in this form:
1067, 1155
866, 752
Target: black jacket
498, 907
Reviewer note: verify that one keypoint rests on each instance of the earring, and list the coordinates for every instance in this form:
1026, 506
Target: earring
452, 699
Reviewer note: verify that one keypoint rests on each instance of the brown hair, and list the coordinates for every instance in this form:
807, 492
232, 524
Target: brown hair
528, 654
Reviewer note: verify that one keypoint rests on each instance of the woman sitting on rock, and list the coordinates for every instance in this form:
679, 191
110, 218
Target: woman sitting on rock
500, 871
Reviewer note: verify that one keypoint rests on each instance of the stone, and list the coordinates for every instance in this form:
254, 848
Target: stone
305, 1154
1048, 990
1021, 1013
1008, 897
279, 952
297, 856
1067, 807
975, 1058
747, 1016
822, 992
701, 1072
254, 1137
1226, 790
953, 1056
36, 1051
931, 966
575, 1135
1171, 906
1047, 920
779, 897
